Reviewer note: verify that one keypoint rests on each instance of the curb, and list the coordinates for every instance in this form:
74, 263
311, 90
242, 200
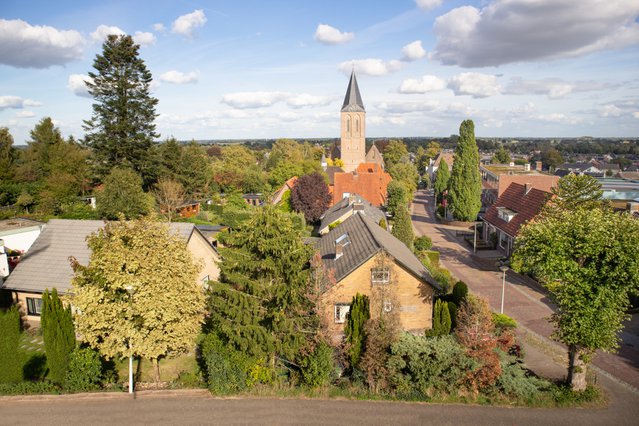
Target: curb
87, 396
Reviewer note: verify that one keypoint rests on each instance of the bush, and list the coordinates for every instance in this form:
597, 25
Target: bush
28, 388
460, 291
382, 223
503, 321
516, 381
318, 368
564, 396
85, 371
423, 366
432, 257
422, 243
11, 370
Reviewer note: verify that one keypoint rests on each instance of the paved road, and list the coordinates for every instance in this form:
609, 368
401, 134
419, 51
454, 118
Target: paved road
524, 301
187, 410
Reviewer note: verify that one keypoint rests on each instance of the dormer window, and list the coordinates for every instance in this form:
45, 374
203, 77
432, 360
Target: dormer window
340, 243
505, 214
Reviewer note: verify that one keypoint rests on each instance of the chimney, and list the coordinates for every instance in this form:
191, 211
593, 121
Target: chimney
538, 166
527, 167
527, 188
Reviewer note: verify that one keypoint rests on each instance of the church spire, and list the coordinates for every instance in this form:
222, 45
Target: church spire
353, 100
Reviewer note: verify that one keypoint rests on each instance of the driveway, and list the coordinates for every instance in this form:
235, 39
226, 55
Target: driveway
524, 300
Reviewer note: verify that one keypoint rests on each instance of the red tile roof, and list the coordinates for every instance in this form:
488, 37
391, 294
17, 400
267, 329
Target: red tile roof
369, 181
525, 205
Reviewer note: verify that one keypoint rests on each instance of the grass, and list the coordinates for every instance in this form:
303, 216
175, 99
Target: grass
170, 368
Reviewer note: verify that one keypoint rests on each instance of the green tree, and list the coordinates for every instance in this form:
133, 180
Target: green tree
123, 194
132, 299
551, 158
11, 371
433, 149
355, 336
122, 128
465, 180
194, 171
403, 227
394, 153
36, 164
589, 262
405, 173
260, 305
502, 156
7, 155
58, 335
285, 151
397, 196
442, 179
577, 191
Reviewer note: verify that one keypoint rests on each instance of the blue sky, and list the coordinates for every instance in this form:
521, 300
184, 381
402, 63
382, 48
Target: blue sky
269, 69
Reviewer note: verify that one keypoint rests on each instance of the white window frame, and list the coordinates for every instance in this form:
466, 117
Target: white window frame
388, 306
344, 240
340, 312
36, 304
380, 276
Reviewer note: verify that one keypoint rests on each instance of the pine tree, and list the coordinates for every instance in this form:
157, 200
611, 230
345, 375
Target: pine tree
58, 334
358, 314
465, 180
7, 155
11, 370
403, 227
122, 128
260, 305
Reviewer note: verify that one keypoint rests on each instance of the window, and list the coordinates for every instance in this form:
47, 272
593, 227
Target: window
380, 276
341, 311
343, 240
348, 125
388, 306
34, 306
505, 214
502, 240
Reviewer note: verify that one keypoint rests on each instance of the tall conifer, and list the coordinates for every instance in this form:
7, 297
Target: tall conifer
354, 329
465, 180
58, 334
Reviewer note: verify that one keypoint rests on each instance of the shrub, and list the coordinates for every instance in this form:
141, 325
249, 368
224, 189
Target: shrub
460, 291
318, 367
85, 371
382, 223
503, 321
354, 329
516, 381
58, 335
424, 366
28, 388
452, 311
11, 370
433, 257
422, 243
441, 319
334, 225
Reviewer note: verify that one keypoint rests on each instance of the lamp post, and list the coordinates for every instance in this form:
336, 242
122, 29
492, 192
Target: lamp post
503, 269
475, 238
130, 290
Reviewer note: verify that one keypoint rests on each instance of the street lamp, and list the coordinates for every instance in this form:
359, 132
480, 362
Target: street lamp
130, 290
503, 268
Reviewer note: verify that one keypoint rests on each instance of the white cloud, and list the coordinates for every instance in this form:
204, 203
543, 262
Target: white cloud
428, 4
330, 35
428, 83
178, 77
28, 46
144, 39
372, 66
558, 117
413, 51
100, 34
25, 114
409, 107
304, 99
611, 110
243, 100
554, 88
17, 102
159, 27
506, 31
186, 24
78, 86
474, 84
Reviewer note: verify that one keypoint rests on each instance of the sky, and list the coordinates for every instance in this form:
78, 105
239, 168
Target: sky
249, 69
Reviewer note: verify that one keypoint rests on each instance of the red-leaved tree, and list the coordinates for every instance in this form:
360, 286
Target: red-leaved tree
310, 196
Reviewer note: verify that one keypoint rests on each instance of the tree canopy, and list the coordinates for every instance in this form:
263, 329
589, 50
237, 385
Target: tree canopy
310, 196
465, 180
123, 194
442, 179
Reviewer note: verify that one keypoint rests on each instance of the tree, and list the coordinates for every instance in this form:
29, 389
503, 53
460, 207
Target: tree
394, 153
310, 196
285, 151
551, 158
170, 195
405, 173
194, 170
260, 306
36, 164
355, 336
7, 155
577, 191
58, 335
502, 156
441, 319
403, 227
123, 194
442, 179
11, 371
122, 128
465, 180
398, 196
433, 149
139, 295
589, 262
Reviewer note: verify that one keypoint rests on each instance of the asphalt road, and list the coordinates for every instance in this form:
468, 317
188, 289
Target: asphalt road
199, 409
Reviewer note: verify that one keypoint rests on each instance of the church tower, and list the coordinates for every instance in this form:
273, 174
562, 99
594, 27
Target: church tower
353, 139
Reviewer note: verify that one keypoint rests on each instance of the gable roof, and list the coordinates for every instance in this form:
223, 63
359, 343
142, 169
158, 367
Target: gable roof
46, 265
330, 172
374, 156
346, 206
449, 157
353, 99
366, 240
369, 181
525, 206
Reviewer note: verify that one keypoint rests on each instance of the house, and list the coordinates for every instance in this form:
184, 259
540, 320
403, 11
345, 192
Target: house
448, 157
188, 209
516, 206
345, 208
369, 260
286, 187
496, 178
374, 156
582, 169
46, 265
19, 234
254, 200
369, 181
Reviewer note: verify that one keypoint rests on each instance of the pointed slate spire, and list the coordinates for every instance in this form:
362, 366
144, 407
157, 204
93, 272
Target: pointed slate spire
353, 100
